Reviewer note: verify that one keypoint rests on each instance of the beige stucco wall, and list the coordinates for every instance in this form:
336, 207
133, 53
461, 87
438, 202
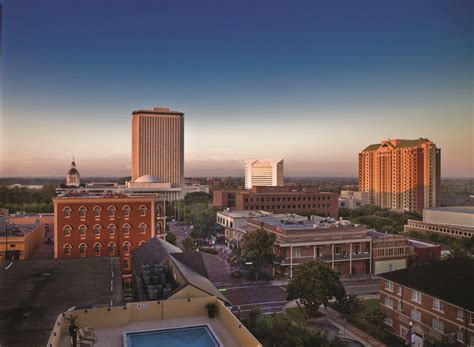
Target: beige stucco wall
382, 266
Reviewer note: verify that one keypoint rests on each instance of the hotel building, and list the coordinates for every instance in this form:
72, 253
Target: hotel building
279, 200
431, 302
263, 172
106, 225
158, 145
402, 175
456, 222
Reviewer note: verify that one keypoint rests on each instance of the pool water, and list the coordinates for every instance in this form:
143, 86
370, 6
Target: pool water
199, 336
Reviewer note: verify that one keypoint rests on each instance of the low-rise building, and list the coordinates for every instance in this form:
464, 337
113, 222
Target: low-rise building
89, 225
423, 252
352, 200
431, 302
20, 241
279, 200
389, 252
454, 221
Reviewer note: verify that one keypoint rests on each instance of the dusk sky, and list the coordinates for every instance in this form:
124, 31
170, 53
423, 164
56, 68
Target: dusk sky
311, 82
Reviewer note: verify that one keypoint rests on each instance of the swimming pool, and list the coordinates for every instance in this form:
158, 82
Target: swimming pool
194, 336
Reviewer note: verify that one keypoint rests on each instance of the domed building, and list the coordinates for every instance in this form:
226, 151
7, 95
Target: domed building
73, 178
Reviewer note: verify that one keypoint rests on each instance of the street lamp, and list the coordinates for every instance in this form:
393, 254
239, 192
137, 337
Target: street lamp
410, 337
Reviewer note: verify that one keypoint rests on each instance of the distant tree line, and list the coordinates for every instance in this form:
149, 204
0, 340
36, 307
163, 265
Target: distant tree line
27, 200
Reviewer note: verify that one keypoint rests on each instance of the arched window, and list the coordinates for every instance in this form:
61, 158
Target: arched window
143, 228
141, 243
112, 247
82, 249
111, 211
97, 248
126, 229
82, 212
67, 249
126, 211
97, 229
159, 228
142, 210
126, 247
67, 212
97, 211
160, 210
111, 230
82, 230
67, 230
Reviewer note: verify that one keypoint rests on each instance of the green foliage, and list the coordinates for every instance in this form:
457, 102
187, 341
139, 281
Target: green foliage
315, 283
188, 244
255, 247
196, 198
171, 238
272, 330
27, 200
348, 304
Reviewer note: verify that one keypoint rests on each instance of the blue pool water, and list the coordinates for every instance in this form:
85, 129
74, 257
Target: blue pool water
199, 336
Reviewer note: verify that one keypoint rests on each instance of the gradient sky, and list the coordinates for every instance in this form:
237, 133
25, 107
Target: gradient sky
312, 82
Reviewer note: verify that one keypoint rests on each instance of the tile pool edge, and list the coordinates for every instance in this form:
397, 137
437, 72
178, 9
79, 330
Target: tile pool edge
206, 325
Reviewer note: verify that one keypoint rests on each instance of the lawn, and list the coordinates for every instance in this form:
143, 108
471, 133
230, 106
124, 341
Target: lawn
297, 316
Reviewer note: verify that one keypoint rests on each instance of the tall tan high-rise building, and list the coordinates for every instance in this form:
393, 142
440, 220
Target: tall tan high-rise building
263, 172
158, 145
403, 175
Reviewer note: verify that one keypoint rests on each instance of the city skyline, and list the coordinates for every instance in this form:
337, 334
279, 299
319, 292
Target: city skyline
310, 83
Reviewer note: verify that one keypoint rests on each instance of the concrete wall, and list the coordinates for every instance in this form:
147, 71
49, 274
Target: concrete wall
450, 217
382, 266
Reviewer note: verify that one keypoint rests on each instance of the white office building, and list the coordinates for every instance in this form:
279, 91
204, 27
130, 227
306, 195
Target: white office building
263, 172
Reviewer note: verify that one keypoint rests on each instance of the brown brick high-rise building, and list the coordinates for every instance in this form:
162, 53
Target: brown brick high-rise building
158, 145
403, 175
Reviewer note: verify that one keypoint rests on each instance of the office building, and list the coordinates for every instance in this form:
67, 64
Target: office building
454, 221
352, 200
279, 200
106, 225
158, 145
20, 241
263, 172
402, 175
430, 303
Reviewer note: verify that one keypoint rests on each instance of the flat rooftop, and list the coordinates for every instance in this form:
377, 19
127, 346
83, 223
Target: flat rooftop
450, 280
288, 223
34, 292
454, 209
18, 230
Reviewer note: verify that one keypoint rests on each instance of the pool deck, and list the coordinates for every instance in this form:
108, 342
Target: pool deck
108, 337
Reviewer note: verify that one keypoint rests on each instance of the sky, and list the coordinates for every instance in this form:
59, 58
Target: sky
312, 82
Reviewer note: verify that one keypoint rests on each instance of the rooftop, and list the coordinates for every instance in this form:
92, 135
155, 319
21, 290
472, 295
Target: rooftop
449, 280
396, 143
421, 244
454, 209
288, 222
18, 230
34, 292
158, 110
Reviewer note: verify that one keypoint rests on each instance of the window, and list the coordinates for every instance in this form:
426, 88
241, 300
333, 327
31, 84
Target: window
388, 302
142, 210
416, 296
126, 264
67, 212
126, 247
388, 321
67, 230
437, 325
82, 212
111, 211
296, 252
82, 249
438, 305
111, 230
357, 248
112, 248
126, 211
97, 248
337, 249
126, 229
67, 249
460, 335
472, 318
142, 228
97, 230
389, 285
97, 211
415, 315
399, 290
82, 231
460, 314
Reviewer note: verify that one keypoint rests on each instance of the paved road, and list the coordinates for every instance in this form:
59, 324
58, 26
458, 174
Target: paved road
180, 233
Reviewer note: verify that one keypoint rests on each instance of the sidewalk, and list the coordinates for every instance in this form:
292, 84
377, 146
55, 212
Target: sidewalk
362, 336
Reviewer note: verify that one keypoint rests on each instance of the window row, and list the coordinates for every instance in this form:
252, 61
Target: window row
111, 211
112, 228
299, 198
277, 207
111, 248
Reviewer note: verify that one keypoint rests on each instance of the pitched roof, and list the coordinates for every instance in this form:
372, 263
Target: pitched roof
401, 144
208, 265
154, 251
373, 147
450, 280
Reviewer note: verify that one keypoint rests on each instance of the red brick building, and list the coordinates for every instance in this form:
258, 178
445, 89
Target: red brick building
279, 200
431, 302
106, 225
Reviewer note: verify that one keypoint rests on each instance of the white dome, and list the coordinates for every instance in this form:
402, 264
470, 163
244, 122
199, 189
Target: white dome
148, 179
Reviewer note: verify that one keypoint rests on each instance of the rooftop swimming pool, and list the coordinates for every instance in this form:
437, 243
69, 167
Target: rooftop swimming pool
195, 336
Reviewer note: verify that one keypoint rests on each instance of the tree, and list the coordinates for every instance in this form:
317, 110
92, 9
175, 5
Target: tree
315, 283
348, 304
171, 238
256, 252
